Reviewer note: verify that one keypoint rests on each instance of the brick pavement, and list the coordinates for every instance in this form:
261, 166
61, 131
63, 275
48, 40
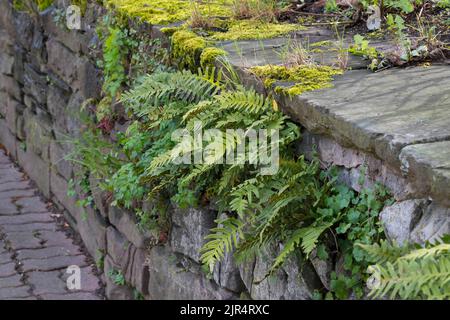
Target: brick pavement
34, 252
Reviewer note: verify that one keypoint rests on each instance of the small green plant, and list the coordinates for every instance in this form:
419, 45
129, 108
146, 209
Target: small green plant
114, 53
117, 277
361, 47
411, 271
331, 6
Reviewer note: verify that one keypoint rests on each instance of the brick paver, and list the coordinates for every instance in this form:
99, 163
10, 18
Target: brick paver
34, 253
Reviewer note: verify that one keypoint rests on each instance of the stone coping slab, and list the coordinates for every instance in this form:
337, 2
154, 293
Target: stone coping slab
400, 115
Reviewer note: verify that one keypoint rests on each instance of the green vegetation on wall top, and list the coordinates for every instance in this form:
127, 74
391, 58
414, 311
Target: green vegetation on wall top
168, 11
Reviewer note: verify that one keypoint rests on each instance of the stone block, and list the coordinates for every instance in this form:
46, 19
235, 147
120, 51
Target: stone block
12, 111
24, 29
72, 39
92, 229
36, 168
129, 259
35, 84
295, 280
57, 99
126, 223
11, 86
38, 134
38, 54
62, 61
115, 291
173, 277
89, 79
6, 42
7, 18
7, 139
72, 121
58, 152
226, 274
6, 64
59, 187
189, 229
18, 68
400, 219
433, 225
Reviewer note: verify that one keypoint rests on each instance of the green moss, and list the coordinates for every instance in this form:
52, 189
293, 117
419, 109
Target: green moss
306, 78
187, 48
82, 4
21, 5
209, 56
169, 31
255, 29
168, 11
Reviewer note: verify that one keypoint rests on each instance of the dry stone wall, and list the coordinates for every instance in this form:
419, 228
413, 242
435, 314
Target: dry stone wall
47, 72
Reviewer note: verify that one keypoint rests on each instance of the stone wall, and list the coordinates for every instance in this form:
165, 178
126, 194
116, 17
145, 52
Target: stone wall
47, 71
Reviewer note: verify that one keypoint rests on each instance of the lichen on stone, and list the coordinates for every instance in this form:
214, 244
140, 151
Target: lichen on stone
209, 56
168, 11
304, 78
187, 48
255, 30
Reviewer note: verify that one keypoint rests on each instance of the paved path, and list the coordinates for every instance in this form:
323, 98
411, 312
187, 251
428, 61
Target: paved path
34, 253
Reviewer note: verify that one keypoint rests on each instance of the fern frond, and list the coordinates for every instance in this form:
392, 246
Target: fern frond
306, 238
426, 253
384, 252
246, 101
428, 278
222, 239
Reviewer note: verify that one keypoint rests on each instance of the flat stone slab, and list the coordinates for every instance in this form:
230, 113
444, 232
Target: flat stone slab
34, 252
250, 53
387, 114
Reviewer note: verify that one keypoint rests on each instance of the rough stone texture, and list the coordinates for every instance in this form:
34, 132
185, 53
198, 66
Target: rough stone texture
434, 223
383, 115
353, 164
399, 219
113, 290
175, 278
189, 229
34, 254
128, 259
296, 280
126, 223
36, 168
57, 159
92, 230
429, 166
395, 123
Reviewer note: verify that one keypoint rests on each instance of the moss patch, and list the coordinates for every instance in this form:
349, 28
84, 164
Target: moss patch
82, 4
306, 78
168, 11
255, 30
187, 48
20, 5
209, 56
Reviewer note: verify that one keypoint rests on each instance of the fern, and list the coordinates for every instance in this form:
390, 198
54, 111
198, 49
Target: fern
410, 273
384, 252
222, 239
